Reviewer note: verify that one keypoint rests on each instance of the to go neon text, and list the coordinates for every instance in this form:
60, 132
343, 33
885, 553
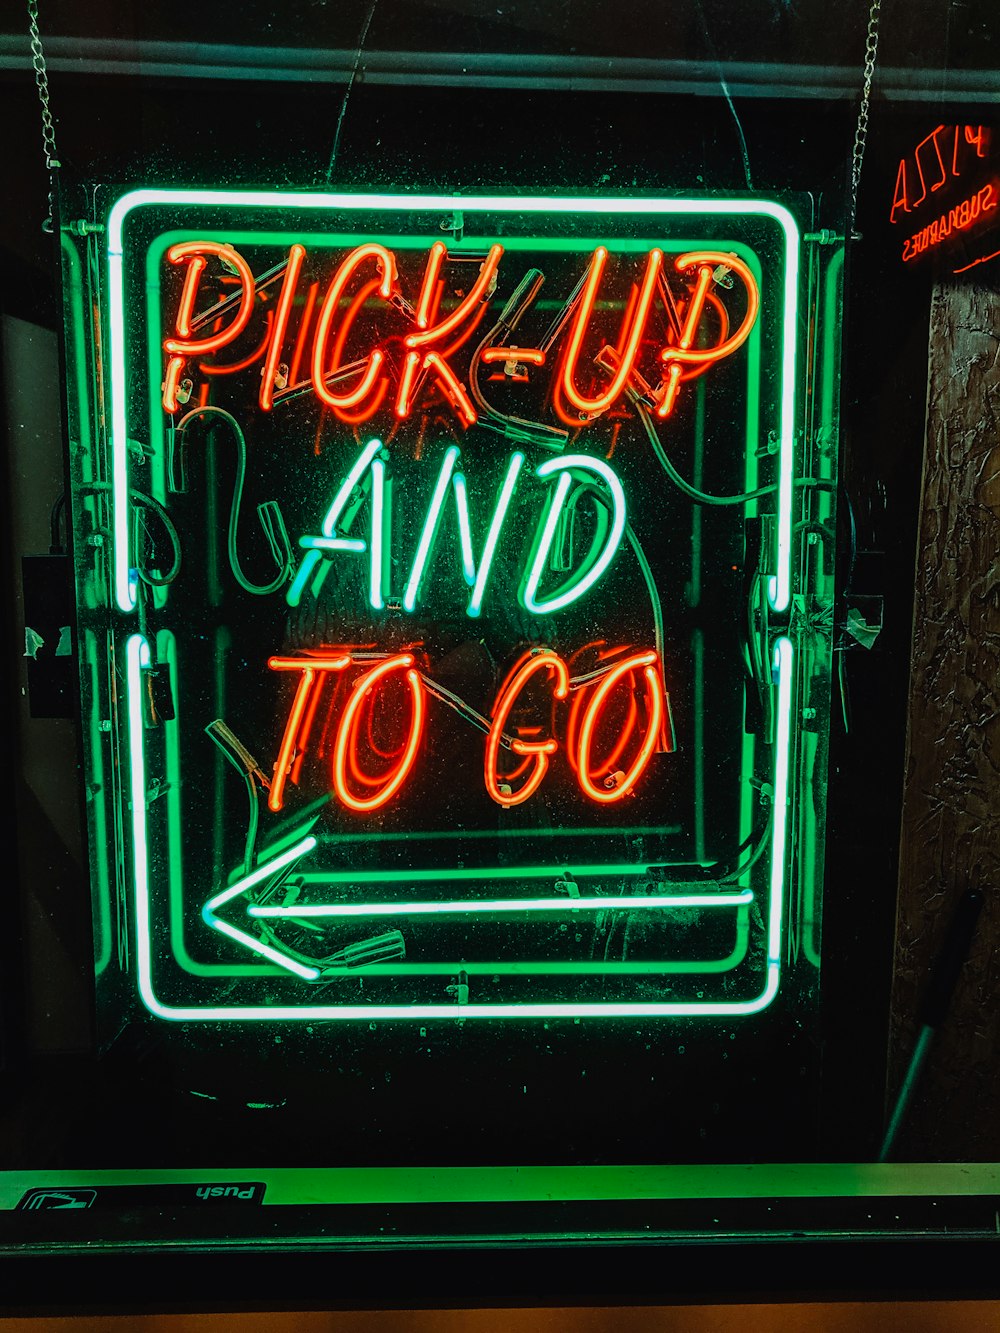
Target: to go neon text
357, 787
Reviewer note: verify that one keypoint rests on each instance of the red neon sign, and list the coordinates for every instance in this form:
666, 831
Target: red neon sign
962, 216
943, 162
947, 152
320, 368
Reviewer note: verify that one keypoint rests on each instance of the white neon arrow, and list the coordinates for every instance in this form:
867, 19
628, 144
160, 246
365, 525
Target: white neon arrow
257, 876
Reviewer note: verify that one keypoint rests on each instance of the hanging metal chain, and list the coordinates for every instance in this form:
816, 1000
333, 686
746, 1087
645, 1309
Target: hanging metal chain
48, 124
861, 132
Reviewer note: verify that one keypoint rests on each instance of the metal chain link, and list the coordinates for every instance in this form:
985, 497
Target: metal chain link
52, 163
861, 132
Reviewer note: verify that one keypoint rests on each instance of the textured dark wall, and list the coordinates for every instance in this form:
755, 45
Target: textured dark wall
950, 838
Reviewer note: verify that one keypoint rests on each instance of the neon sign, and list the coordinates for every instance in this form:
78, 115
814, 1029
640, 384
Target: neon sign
962, 215
457, 645
943, 181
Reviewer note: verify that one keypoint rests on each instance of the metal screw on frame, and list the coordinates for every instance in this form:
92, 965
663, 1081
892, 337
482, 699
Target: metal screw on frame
52, 162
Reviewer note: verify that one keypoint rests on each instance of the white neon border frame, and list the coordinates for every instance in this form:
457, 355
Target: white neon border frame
779, 590
137, 651
137, 656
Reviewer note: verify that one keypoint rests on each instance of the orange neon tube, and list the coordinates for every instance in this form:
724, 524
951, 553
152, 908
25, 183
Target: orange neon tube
300, 337
182, 346
305, 730
296, 254
595, 707
631, 333
466, 307
348, 730
357, 418
692, 317
539, 750
531, 356
579, 697
706, 262
469, 309
451, 386
309, 666
207, 368
429, 286
406, 377
328, 310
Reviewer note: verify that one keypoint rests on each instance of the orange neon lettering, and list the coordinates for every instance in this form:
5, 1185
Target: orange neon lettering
305, 730
363, 294
183, 346
977, 136
300, 337
706, 261
313, 676
689, 328
424, 360
632, 329
373, 370
208, 368
539, 750
477, 293
429, 289
654, 694
452, 387
930, 139
348, 730
900, 199
531, 356
296, 254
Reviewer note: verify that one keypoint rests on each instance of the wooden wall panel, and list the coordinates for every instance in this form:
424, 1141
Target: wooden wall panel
950, 835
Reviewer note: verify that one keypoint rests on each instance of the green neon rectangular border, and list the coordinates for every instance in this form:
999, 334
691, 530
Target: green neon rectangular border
331, 240
154, 256
137, 649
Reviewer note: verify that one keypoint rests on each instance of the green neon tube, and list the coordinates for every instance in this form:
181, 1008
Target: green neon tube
358, 469
124, 582
356, 545
464, 528
302, 576
784, 657
376, 562
251, 942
